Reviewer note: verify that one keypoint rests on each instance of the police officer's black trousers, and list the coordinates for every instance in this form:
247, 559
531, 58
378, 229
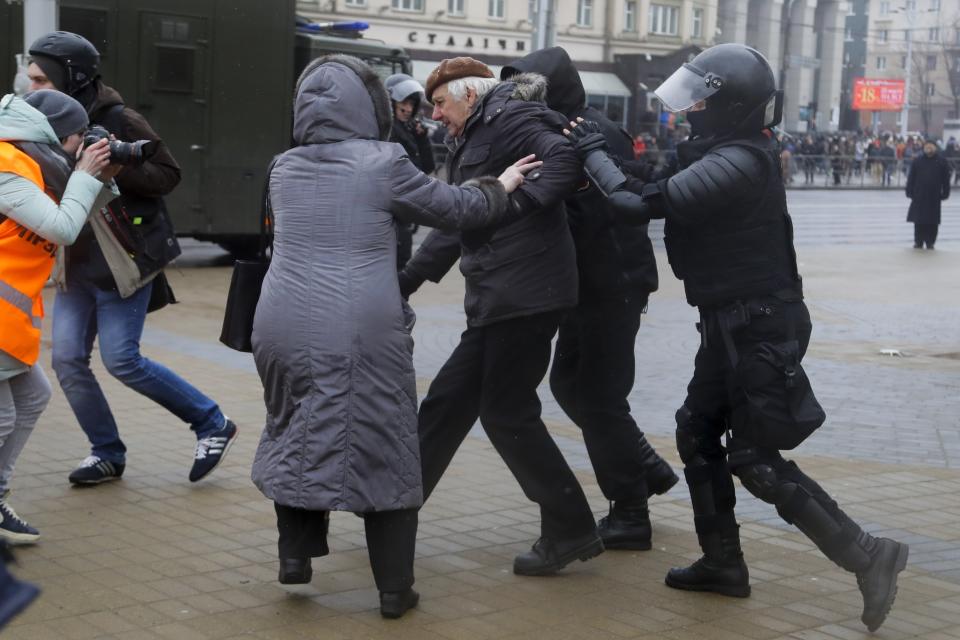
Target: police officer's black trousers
391, 541
592, 374
493, 374
715, 405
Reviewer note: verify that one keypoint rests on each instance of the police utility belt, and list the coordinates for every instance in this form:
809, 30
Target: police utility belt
780, 410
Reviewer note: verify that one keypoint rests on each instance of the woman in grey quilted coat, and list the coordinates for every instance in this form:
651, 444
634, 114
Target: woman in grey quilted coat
331, 336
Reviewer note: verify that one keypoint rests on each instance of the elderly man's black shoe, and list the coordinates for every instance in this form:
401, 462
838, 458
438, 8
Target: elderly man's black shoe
549, 556
394, 604
295, 571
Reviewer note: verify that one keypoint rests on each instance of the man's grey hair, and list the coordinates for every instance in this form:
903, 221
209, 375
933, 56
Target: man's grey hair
482, 86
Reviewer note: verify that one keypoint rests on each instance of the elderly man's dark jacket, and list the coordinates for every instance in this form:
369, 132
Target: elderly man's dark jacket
613, 260
529, 266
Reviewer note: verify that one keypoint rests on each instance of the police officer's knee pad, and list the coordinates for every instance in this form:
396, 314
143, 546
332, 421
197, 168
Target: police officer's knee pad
686, 434
761, 480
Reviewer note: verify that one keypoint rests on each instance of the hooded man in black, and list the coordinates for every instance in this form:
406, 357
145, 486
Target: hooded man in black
593, 364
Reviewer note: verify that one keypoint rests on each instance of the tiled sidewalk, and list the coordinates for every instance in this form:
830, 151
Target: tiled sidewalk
152, 556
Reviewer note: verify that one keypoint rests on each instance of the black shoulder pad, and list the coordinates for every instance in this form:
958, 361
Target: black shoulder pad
722, 177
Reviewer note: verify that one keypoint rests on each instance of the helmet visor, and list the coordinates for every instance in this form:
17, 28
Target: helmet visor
684, 88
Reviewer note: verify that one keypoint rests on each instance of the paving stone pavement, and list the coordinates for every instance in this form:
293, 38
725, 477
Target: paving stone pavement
152, 556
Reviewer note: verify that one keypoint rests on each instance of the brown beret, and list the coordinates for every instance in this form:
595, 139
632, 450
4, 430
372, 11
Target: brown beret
454, 69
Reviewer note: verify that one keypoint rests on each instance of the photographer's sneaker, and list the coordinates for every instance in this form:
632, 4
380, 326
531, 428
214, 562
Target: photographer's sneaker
94, 470
212, 450
13, 528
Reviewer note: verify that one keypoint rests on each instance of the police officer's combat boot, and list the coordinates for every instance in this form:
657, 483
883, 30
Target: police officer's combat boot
875, 561
720, 570
627, 526
660, 476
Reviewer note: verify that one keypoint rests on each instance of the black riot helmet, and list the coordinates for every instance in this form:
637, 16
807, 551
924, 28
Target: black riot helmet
78, 57
727, 89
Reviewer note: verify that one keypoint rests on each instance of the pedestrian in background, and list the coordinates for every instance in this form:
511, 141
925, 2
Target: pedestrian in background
888, 159
331, 335
45, 197
406, 96
928, 184
809, 152
111, 279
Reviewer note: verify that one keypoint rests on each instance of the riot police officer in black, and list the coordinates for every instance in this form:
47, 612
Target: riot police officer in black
730, 239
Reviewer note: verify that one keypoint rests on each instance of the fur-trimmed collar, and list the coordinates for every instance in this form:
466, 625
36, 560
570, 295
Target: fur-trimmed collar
530, 87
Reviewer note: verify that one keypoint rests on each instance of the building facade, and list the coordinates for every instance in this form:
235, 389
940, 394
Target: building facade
917, 41
803, 40
855, 43
598, 34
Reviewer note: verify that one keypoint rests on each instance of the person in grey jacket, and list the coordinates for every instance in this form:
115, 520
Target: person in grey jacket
331, 335
519, 281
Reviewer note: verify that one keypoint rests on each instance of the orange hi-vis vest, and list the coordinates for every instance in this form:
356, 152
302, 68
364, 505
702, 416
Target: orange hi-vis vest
26, 261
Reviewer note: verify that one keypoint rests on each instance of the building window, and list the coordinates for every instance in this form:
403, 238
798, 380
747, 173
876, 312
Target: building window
934, 34
407, 5
585, 13
455, 7
884, 7
931, 89
663, 19
931, 63
882, 36
629, 15
495, 9
356, 3
911, 5
881, 63
848, 34
903, 62
934, 5
698, 23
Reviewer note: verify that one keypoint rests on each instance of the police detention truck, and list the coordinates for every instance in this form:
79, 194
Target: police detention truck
215, 79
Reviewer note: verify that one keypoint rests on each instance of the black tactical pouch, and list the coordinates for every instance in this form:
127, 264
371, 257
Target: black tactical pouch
781, 410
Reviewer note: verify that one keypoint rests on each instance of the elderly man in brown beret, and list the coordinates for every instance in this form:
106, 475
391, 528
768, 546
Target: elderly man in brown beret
520, 279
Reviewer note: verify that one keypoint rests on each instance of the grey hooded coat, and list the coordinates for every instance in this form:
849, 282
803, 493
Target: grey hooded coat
331, 336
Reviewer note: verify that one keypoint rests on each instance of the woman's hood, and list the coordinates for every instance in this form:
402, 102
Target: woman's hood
22, 123
338, 98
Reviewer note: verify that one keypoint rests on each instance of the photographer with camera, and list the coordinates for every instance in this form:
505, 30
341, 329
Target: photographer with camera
47, 189
114, 274
406, 96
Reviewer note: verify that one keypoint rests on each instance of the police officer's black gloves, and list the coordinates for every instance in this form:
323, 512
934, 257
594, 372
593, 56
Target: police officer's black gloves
408, 283
586, 137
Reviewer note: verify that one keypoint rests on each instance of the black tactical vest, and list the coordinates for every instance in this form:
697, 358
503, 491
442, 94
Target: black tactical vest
752, 255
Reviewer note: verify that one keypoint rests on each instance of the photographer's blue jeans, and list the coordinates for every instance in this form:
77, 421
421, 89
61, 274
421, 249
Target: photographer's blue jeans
83, 312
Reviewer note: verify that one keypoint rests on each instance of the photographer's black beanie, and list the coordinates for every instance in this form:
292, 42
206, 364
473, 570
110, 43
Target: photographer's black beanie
53, 69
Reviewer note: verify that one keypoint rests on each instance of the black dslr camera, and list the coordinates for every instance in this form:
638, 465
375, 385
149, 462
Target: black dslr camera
125, 153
